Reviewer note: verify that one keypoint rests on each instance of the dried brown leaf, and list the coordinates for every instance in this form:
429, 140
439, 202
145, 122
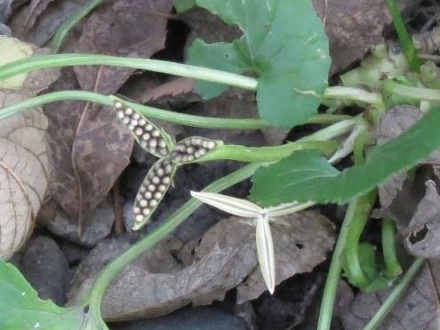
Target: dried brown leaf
400, 195
24, 165
225, 257
123, 28
88, 148
173, 88
37, 21
422, 237
352, 27
417, 309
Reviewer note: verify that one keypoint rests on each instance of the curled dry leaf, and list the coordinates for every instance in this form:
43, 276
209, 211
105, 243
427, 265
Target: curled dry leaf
24, 165
422, 237
417, 309
225, 258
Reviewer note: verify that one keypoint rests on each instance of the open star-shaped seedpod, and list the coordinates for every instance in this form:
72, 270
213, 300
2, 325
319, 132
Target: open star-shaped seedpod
171, 155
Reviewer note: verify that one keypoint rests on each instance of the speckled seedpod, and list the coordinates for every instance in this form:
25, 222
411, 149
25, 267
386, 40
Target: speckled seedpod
192, 148
149, 136
153, 188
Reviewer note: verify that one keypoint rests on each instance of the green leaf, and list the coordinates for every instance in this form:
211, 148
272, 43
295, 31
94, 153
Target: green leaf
306, 176
283, 44
183, 5
20, 307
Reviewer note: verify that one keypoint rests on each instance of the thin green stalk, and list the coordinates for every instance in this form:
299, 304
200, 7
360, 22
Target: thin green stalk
335, 270
353, 265
58, 38
395, 295
61, 60
404, 37
155, 113
267, 154
392, 266
150, 112
352, 94
110, 272
415, 93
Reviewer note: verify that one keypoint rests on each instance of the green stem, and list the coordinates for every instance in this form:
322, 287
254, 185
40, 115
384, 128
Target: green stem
58, 38
110, 272
395, 295
404, 37
352, 94
335, 270
422, 94
392, 266
151, 112
61, 60
353, 265
266, 154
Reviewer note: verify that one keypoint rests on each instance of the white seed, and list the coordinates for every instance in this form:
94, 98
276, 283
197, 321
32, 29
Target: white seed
158, 195
142, 189
131, 127
138, 131
163, 152
190, 150
148, 127
168, 169
155, 133
166, 180
126, 120
162, 188
136, 210
152, 143
155, 180
134, 122
196, 141
139, 218
151, 187
162, 143
120, 114
136, 116
128, 111
148, 195
160, 172
202, 152
146, 136
146, 211
153, 203
142, 122
118, 104
143, 203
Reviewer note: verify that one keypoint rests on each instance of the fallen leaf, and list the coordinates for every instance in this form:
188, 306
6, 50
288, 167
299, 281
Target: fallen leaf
417, 309
37, 21
400, 195
123, 28
352, 27
422, 237
24, 165
225, 258
174, 87
88, 148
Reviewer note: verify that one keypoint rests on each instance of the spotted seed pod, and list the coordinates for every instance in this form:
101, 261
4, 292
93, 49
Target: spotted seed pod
152, 190
192, 148
148, 135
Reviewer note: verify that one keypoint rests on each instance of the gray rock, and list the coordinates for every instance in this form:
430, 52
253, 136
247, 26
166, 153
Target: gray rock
199, 318
45, 267
95, 228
